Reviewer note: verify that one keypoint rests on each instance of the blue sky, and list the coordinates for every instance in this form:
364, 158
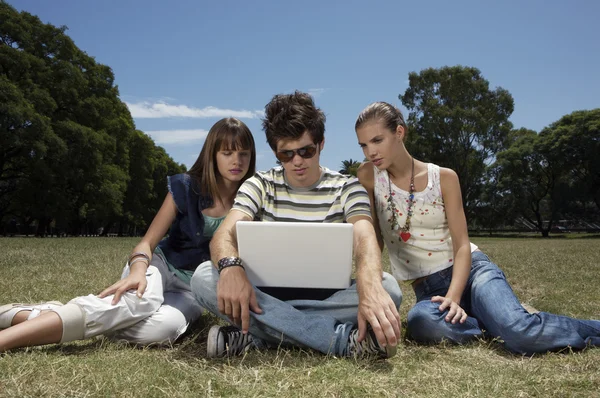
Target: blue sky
182, 65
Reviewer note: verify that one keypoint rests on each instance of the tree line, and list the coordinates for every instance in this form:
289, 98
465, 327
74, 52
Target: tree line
71, 159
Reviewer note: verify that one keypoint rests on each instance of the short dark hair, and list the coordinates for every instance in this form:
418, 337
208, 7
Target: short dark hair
288, 116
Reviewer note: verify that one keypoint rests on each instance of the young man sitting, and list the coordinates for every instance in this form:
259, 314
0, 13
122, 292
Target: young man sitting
359, 321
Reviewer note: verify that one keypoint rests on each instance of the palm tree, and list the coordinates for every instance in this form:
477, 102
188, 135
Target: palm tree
350, 167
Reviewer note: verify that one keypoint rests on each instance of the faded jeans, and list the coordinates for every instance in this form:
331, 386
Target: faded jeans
494, 311
323, 325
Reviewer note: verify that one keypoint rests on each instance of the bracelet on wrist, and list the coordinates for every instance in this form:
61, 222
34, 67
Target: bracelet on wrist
139, 254
227, 262
137, 260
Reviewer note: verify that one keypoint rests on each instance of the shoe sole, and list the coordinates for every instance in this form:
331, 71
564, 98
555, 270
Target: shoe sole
8, 307
212, 342
391, 350
530, 308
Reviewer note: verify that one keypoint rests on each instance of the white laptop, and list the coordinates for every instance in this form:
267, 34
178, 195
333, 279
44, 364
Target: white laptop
296, 254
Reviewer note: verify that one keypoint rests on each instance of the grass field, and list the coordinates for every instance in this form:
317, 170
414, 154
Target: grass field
556, 275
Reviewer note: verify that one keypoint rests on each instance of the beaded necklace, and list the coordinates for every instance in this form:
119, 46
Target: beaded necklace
404, 231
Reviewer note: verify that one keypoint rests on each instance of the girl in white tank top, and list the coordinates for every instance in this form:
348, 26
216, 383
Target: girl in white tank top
418, 207
418, 213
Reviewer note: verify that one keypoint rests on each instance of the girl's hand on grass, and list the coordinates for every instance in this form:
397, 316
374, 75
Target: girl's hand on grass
455, 311
136, 280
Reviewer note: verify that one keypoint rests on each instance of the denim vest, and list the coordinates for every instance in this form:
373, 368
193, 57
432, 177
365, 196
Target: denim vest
186, 247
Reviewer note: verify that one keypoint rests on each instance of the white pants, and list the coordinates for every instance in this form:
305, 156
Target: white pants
161, 315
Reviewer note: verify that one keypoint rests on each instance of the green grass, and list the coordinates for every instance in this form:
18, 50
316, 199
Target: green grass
557, 275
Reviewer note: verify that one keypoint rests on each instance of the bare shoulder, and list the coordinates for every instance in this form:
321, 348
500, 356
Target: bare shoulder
449, 183
448, 176
365, 175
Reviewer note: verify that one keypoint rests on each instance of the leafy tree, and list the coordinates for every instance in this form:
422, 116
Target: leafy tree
493, 209
574, 143
149, 167
165, 166
457, 121
350, 167
554, 174
26, 141
533, 183
65, 136
76, 97
138, 203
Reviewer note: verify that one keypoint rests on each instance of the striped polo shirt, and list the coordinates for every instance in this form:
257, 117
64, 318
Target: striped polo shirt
333, 198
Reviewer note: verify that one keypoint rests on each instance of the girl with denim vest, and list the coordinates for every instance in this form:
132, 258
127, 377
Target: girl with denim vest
152, 302
418, 214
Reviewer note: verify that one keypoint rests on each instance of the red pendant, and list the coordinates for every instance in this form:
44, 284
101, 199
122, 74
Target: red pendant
404, 235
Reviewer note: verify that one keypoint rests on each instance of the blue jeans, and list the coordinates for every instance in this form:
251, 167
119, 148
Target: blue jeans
323, 325
494, 311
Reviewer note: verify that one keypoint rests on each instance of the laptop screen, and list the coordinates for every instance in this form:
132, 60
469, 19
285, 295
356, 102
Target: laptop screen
296, 255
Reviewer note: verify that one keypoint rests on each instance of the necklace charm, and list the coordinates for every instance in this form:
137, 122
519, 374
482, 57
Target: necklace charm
404, 234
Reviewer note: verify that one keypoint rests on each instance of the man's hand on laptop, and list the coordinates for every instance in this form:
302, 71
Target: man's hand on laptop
378, 310
236, 297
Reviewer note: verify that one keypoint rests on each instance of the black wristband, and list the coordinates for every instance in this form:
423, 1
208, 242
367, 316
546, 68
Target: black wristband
226, 262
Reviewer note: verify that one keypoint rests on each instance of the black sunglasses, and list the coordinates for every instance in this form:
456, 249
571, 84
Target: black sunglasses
306, 152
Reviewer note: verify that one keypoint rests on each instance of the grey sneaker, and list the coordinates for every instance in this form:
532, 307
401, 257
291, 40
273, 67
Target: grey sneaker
530, 308
227, 341
8, 311
369, 347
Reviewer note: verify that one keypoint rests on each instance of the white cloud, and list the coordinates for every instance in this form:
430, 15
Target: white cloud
162, 137
263, 154
316, 92
148, 110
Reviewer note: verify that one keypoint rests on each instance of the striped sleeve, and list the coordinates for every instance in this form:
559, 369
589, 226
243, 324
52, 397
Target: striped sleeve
249, 198
355, 200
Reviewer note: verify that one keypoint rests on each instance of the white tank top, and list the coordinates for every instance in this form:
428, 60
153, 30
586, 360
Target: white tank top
429, 248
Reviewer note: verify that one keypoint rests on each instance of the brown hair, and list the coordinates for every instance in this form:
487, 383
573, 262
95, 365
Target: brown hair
381, 112
288, 116
226, 134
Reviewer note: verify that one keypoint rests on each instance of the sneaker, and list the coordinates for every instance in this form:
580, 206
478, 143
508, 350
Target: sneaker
369, 346
227, 341
530, 308
8, 311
